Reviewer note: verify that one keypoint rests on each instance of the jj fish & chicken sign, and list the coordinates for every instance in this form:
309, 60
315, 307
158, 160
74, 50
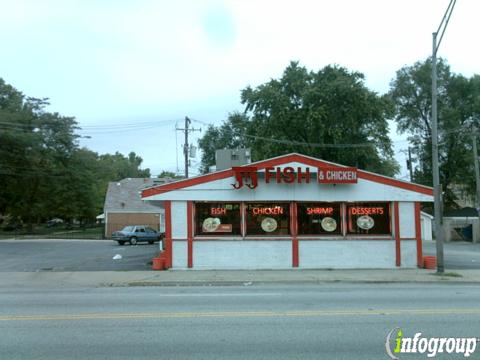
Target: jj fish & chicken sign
248, 175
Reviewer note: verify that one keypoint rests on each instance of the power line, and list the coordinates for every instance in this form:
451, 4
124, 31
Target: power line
91, 132
93, 128
289, 142
109, 131
107, 125
297, 143
202, 122
129, 125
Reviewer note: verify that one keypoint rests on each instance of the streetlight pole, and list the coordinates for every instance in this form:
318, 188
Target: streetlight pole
477, 183
437, 195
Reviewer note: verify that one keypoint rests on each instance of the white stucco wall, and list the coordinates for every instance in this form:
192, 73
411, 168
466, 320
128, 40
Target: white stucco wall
354, 254
180, 254
408, 251
276, 254
179, 219
407, 219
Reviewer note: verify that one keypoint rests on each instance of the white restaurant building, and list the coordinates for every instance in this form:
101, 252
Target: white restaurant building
291, 211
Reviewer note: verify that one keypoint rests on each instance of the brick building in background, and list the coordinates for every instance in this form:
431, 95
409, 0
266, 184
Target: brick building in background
124, 206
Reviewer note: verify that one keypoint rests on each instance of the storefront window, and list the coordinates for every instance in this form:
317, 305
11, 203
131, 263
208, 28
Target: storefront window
268, 219
368, 218
217, 219
319, 218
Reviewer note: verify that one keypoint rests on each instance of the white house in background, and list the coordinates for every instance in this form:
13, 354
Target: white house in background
426, 222
101, 218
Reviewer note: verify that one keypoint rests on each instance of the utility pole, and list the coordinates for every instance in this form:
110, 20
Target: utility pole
477, 181
187, 130
409, 164
437, 194
185, 146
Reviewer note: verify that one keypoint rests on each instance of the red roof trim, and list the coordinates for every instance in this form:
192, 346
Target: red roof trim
160, 189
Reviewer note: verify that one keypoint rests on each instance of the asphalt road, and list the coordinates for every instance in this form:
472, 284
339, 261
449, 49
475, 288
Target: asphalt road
74, 255
335, 321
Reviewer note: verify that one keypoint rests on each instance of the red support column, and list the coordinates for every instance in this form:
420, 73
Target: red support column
190, 233
418, 235
294, 231
396, 215
168, 234
243, 217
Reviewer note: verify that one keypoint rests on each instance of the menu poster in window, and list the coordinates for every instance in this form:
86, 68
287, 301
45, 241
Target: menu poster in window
369, 218
268, 219
217, 218
213, 225
319, 218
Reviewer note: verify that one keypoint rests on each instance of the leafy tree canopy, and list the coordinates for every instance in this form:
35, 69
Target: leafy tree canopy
313, 113
43, 171
458, 117
169, 174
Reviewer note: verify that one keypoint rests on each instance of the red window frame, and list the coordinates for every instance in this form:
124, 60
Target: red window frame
344, 218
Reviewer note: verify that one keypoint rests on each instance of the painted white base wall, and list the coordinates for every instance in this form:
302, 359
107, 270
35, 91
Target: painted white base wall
313, 254
355, 254
242, 254
408, 251
180, 254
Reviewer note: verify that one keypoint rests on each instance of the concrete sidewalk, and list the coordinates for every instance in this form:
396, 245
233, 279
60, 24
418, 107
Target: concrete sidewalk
227, 277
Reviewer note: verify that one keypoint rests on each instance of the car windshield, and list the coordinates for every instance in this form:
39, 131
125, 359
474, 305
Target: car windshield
128, 228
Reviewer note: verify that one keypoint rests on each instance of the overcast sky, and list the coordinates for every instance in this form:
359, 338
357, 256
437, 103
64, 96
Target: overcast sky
116, 62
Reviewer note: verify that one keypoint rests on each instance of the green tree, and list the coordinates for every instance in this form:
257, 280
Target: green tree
169, 174
43, 171
118, 166
458, 116
229, 135
308, 112
34, 148
79, 193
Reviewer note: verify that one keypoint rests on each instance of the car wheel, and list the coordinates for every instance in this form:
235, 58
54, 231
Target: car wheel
150, 242
133, 241
121, 242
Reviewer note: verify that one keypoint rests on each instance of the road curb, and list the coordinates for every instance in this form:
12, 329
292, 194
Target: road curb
230, 278
280, 282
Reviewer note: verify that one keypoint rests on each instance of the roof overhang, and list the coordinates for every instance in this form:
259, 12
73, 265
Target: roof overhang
279, 161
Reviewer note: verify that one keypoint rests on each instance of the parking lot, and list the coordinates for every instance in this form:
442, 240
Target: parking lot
74, 255
98, 255
457, 254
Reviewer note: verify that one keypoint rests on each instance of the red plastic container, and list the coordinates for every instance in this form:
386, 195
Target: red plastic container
430, 262
158, 263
